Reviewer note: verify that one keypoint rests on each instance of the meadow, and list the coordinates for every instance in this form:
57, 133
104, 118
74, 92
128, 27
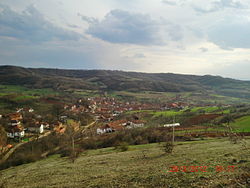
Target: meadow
242, 124
140, 166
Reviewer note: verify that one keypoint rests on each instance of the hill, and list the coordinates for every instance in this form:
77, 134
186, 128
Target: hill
140, 166
107, 80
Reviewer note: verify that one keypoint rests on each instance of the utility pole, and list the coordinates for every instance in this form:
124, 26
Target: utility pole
173, 131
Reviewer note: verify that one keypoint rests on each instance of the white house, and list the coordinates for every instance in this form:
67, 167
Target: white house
134, 124
38, 128
14, 123
15, 132
172, 125
104, 129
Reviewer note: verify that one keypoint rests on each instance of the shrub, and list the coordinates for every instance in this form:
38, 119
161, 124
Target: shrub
122, 147
168, 147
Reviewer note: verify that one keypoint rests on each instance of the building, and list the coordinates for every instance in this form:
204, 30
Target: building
15, 132
134, 124
36, 127
109, 127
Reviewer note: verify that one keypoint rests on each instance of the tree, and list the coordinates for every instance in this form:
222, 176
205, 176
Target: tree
3, 137
57, 110
69, 149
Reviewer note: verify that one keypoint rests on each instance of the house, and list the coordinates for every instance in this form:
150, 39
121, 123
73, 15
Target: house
172, 125
15, 119
134, 124
31, 110
14, 122
36, 127
109, 127
104, 129
15, 116
59, 127
15, 131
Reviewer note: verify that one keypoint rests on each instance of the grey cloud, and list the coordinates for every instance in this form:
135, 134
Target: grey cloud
73, 26
203, 49
53, 55
32, 26
139, 55
171, 3
88, 19
219, 5
230, 35
133, 28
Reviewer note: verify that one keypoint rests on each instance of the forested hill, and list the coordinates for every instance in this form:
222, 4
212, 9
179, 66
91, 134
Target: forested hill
106, 80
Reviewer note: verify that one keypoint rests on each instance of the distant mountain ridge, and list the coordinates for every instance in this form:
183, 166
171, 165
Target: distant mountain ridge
107, 80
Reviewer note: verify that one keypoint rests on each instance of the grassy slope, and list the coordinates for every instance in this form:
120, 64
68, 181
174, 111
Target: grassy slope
12, 89
108, 168
242, 124
202, 88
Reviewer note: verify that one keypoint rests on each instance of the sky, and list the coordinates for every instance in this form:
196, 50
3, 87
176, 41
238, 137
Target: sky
158, 36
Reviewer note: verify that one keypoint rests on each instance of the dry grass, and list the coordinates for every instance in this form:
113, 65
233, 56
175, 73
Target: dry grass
140, 166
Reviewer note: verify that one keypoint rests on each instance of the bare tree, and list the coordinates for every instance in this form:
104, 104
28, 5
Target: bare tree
3, 137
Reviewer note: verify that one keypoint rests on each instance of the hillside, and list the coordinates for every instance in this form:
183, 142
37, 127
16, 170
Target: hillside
106, 80
140, 166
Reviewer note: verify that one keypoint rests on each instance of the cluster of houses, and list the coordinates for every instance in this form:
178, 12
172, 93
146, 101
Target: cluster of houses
104, 109
119, 125
15, 128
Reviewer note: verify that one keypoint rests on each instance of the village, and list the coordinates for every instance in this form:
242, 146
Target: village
25, 124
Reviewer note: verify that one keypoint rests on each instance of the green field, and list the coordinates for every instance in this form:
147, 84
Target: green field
242, 124
140, 166
168, 113
205, 109
13, 89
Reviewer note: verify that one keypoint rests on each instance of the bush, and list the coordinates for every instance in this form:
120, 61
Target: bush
168, 147
122, 147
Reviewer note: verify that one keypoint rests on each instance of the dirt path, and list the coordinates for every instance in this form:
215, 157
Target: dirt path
11, 151
88, 126
7, 155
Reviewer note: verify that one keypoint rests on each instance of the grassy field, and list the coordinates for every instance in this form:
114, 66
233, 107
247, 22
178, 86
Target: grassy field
242, 124
205, 109
140, 166
168, 113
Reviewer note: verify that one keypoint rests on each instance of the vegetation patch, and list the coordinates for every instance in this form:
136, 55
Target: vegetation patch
242, 124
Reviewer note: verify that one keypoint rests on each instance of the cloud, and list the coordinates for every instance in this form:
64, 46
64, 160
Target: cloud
218, 5
202, 49
120, 26
230, 34
167, 2
236, 69
88, 19
139, 55
32, 26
